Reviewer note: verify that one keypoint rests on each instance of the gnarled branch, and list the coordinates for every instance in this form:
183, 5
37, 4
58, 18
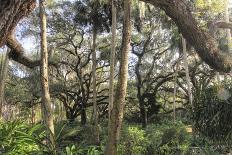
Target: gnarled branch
204, 44
17, 53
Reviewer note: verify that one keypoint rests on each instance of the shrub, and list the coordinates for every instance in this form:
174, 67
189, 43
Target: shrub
168, 138
213, 112
86, 150
133, 141
18, 138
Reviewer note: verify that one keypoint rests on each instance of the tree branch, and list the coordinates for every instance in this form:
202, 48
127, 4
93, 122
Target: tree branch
17, 53
204, 44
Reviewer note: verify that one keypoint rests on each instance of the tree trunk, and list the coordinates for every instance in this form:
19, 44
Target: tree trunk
119, 102
95, 109
11, 12
204, 44
143, 116
33, 114
174, 94
143, 111
228, 31
3, 76
46, 100
112, 58
187, 72
83, 116
70, 115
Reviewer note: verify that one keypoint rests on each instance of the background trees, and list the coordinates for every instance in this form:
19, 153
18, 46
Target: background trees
150, 64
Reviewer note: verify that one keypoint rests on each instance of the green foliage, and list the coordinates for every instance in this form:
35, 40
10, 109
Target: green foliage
164, 138
133, 141
215, 6
168, 138
79, 136
17, 138
93, 13
87, 150
212, 113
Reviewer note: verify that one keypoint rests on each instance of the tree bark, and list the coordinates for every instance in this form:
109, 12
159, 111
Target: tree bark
95, 109
143, 115
83, 116
3, 76
174, 94
119, 102
187, 72
112, 58
228, 31
46, 100
204, 44
17, 52
11, 12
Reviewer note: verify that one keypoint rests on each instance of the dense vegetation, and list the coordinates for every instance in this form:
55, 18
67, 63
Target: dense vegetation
92, 77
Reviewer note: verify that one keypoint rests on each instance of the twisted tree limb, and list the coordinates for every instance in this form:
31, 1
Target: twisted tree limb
204, 44
17, 53
11, 12
219, 24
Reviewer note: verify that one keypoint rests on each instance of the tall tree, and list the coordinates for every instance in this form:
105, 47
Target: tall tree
3, 75
95, 107
46, 100
119, 102
112, 57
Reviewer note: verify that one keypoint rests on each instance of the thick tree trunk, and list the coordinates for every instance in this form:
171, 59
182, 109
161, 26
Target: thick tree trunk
46, 100
11, 12
204, 44
119, 102
3, 75
112, 58
95, 108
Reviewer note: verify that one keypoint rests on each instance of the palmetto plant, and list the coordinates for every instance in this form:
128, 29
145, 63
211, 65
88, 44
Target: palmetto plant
18, 138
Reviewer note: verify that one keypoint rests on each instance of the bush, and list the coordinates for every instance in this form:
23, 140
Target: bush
18, 138
168, 138
164, 138
133, 141
87, 150
213, 113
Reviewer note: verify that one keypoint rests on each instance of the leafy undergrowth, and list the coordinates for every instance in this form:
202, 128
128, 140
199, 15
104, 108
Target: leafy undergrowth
163, 138
17, 138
